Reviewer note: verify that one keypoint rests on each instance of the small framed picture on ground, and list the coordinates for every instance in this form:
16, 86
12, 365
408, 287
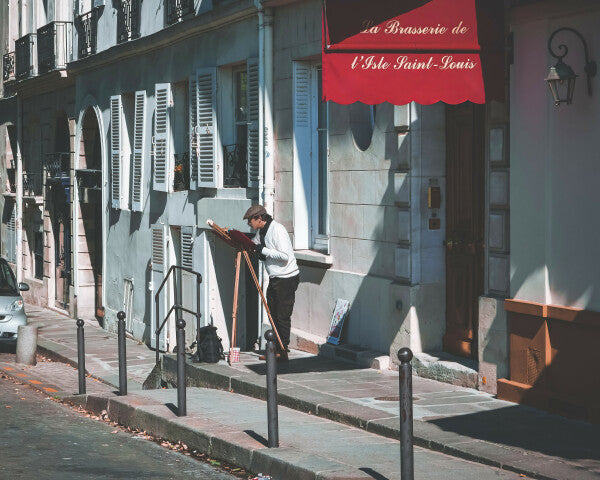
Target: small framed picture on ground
340, 312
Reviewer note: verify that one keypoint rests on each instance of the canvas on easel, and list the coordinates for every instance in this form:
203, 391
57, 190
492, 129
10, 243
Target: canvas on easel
340, 312
243, 244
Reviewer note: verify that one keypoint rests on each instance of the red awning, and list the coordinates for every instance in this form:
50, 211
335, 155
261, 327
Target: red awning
400, 51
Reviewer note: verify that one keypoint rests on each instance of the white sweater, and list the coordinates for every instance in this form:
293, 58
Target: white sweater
280, 259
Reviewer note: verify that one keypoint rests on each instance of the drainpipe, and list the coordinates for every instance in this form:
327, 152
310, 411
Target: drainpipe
19, 194
261, 82
269, 167
265, 123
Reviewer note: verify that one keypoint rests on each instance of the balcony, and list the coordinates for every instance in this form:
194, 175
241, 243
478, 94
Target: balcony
235, 161
32, 185
178, 9
181, 172
54, 46
8, 66
88, 178
26, 56
57, 166
87, 33
128, 20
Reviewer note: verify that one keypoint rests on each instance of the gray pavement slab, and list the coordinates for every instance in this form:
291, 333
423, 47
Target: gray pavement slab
462, 422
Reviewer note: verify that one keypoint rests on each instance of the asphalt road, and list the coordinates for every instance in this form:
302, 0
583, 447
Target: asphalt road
43, 439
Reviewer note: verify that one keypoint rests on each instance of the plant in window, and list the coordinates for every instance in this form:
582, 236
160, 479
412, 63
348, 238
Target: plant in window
181, 177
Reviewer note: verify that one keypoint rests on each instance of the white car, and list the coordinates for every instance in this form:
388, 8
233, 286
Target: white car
12, 308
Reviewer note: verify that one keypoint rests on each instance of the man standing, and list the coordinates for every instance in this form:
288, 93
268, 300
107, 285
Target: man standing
275, 250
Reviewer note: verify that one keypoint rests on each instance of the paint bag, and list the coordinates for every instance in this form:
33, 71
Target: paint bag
210, 348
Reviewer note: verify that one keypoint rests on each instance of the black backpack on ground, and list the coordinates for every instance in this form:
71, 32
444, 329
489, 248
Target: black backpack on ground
210, 348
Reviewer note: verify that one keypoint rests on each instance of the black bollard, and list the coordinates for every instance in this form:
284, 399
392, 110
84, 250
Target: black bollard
122, 354
272, 417
407, 469
81, 356
181, 408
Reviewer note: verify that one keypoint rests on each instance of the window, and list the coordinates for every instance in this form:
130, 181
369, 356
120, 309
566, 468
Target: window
8, 284
180, 124
38, 255
235, 154
239, 130
310, 176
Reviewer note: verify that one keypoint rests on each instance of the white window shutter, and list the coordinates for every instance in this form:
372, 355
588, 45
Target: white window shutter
159, 266
208, 152
302, 155
193, 129
162, 133
187, 247
116, 116
11, 238
253, 122
139, 137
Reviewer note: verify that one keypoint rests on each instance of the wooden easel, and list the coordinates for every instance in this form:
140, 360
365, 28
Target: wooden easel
240, 242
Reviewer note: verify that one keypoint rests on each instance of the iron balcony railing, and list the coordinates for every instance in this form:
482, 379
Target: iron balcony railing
89, 178
54, 46
87, 33
236, 165
177, 9
128, 20
8, 66
57, 165
181, 174
32, 184
26, 56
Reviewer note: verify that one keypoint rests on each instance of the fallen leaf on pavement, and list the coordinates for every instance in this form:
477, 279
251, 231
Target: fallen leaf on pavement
114, 431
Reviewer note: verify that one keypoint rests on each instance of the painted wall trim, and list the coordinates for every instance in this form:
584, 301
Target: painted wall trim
556, 312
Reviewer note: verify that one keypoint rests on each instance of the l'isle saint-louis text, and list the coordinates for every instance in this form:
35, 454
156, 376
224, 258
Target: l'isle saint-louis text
404, 62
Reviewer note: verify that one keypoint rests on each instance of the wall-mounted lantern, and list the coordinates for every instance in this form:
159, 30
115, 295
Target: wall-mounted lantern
561, 79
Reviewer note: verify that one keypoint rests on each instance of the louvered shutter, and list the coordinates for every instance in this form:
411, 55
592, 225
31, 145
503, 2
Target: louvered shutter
253, 122
162, 132
116, 116
208, 152
188, 283
302, 155
159, 264
187, 246
11, 237
139, 137
193, 129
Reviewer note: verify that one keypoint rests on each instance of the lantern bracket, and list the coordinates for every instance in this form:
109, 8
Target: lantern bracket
590, 65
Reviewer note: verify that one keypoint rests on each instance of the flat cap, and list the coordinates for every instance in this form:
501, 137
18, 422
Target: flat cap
253, 211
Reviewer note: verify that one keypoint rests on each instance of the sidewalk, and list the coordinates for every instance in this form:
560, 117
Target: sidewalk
462, 422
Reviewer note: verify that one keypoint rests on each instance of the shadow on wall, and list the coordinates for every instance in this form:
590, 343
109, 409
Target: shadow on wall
364, 234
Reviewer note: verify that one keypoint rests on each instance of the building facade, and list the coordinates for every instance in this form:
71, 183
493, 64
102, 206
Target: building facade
142, 120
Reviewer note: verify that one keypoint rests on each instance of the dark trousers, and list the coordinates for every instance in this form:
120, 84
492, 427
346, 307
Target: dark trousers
281, 294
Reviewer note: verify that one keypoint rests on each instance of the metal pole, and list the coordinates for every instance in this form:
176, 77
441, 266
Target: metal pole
407, 469
122, 354
156, 323
272, 418
181, 407
81, 356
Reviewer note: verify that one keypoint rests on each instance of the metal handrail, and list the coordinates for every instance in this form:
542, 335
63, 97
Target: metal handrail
176, 306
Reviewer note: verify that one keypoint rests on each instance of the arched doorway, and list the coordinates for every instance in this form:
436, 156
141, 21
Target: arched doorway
89, 219
58, 183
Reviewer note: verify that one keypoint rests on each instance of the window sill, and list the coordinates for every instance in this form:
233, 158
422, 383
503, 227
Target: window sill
313, 258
